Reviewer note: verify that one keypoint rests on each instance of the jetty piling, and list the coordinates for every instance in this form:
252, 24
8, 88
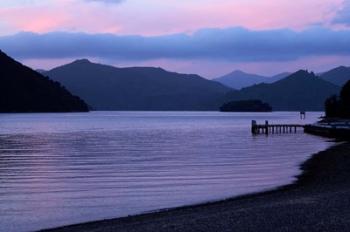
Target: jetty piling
268, 128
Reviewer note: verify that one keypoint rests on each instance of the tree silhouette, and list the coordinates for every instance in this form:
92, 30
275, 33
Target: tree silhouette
339, 107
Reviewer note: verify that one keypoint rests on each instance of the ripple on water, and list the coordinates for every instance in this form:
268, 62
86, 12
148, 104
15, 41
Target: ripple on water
58, 169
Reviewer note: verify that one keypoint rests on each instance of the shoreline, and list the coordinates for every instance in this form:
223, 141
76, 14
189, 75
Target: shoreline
304, 205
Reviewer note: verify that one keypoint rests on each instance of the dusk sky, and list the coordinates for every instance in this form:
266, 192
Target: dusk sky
208, 37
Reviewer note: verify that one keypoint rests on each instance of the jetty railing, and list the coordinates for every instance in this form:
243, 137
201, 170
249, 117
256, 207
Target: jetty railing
274, 128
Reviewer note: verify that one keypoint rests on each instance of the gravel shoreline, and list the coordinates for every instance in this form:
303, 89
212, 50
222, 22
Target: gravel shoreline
318, 201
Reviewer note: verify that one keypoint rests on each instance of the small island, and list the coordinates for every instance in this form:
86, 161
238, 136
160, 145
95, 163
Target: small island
246, 106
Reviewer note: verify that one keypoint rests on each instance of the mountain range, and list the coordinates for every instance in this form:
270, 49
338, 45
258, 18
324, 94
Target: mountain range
138, 88
106, 87
24, 90
145, 88
299, 91
239, 79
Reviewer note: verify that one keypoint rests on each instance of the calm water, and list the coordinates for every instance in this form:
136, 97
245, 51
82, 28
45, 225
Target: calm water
58, 169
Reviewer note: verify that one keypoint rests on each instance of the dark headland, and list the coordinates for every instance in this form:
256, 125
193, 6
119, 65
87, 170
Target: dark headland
318, 201
23, 90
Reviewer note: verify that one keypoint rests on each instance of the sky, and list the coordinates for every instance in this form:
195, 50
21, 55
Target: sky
207, 37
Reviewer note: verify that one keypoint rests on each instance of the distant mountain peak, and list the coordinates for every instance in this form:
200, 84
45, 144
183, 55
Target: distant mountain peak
239, 79
338, 76
339, 68
342, 67
82, 61
238, 72
299, 76
303, 73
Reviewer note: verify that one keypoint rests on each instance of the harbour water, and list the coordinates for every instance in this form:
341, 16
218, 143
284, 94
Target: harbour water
60, 169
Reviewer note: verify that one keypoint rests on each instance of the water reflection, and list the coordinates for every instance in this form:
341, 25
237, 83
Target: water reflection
58, 169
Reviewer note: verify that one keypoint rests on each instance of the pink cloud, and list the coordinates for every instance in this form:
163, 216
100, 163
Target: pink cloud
266, 14
62, 16
35, 19
149, 17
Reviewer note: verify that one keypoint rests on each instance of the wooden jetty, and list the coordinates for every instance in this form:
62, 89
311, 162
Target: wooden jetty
339, 130
274, 128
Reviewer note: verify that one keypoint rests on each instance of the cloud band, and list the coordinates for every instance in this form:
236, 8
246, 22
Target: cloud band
232, 44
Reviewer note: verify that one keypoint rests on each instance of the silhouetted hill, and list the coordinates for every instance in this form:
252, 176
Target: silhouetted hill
24, 90
338, 76
246, 106
299, 91
138, 88
238, 79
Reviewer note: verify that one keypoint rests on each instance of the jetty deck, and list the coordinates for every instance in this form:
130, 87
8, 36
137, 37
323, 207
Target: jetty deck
275, 128
340, 129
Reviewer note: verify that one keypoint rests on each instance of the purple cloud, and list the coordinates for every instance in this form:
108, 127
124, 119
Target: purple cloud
233, 44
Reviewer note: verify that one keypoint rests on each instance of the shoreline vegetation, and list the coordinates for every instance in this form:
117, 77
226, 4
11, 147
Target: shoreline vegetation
317, 201
336, 124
